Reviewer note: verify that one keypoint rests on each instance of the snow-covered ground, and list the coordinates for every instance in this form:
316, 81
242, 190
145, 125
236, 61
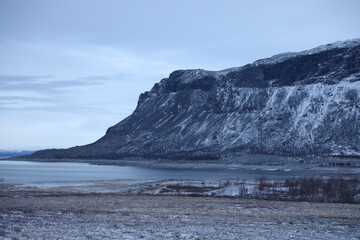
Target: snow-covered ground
60, 214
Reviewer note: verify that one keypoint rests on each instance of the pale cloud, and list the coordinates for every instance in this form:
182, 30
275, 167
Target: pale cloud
89, 92
70, 69
64, 113
74, 61
35, 129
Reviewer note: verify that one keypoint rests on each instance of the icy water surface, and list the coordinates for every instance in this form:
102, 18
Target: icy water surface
66, 173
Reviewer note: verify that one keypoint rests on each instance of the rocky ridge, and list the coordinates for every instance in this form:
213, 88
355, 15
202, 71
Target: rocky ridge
305, 103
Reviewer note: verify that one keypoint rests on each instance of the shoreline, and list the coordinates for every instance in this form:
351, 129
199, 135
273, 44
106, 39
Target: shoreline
284, 164
308, 189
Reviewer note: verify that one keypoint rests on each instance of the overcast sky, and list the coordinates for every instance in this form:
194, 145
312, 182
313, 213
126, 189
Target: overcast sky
71, 69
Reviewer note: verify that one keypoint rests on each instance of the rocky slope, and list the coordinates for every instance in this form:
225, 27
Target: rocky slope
305, 103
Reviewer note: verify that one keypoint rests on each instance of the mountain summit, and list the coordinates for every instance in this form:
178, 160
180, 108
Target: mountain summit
305, 103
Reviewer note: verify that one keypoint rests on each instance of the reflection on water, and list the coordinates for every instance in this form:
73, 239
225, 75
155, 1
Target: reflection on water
60, 173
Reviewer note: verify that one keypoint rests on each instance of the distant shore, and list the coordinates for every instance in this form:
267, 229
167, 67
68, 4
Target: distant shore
243, 162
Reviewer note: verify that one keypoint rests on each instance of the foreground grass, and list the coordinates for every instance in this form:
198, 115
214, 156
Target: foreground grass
53, 214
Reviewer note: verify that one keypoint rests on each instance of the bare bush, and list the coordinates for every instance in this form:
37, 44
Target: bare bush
337, 190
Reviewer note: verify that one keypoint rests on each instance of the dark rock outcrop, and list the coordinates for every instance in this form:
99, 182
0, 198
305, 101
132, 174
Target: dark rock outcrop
305, 103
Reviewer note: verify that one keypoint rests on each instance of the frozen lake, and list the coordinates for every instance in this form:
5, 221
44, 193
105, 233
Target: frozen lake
61, 173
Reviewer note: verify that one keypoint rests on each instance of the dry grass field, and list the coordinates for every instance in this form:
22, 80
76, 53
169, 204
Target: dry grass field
58, 213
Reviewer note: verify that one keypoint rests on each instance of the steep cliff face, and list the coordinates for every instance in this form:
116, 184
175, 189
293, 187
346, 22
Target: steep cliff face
305, 103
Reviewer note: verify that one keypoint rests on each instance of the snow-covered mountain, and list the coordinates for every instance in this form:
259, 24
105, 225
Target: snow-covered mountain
305, 103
